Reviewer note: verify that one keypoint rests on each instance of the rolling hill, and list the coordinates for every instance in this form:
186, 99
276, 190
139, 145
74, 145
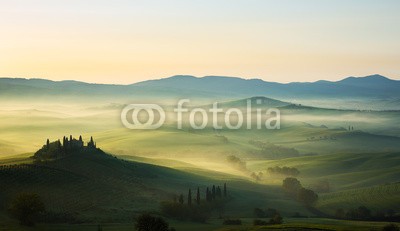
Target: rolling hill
92, 186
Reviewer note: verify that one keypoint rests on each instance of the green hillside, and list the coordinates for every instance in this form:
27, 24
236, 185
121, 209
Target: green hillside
343, 171
377, 198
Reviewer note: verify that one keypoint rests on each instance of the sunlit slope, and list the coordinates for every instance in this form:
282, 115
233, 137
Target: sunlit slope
354, 179
364, 179
171, 142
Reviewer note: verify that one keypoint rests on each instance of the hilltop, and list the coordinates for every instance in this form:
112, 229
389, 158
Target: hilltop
55, 150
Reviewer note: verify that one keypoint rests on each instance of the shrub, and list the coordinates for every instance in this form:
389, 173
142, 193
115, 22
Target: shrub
146, 222
277, 219
390, 227
258, 222
197, 213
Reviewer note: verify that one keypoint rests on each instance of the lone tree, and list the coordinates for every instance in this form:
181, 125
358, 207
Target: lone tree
307, 196
291, 186
26, 207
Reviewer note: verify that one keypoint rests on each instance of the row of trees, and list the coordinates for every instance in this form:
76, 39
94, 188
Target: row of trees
273, 151
360, 213
195, 208
269, 212
286, 171
365, 214
210, 195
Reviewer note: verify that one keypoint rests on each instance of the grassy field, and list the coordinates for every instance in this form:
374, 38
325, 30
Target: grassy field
293, 224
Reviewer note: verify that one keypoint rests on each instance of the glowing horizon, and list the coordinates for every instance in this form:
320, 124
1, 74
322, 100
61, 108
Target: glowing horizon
125, 42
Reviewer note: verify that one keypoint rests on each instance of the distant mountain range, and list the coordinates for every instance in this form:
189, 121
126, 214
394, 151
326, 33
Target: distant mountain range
374, 87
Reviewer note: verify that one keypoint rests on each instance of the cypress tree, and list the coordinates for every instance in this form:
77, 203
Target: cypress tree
198, 196
213, 192
80, 141
218, 192
190, 197
224, 189
48, 143
91, 143
208, 195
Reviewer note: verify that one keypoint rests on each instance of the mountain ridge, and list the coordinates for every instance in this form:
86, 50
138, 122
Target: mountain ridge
180, 77
367, 89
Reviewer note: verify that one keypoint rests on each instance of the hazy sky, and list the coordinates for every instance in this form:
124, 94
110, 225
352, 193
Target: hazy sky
129, 41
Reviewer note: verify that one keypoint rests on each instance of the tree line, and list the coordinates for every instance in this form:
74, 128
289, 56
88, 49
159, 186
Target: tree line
362, 213
286, 171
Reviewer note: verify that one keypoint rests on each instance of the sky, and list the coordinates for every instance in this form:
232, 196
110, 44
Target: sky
127, 41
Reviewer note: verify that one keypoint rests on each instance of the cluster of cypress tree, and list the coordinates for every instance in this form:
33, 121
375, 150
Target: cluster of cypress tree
73, 143
196, 206
57, 149
211, 194
215, 193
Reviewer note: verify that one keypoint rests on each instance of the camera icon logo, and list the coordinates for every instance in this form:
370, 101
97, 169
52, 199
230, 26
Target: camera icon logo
151, 109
